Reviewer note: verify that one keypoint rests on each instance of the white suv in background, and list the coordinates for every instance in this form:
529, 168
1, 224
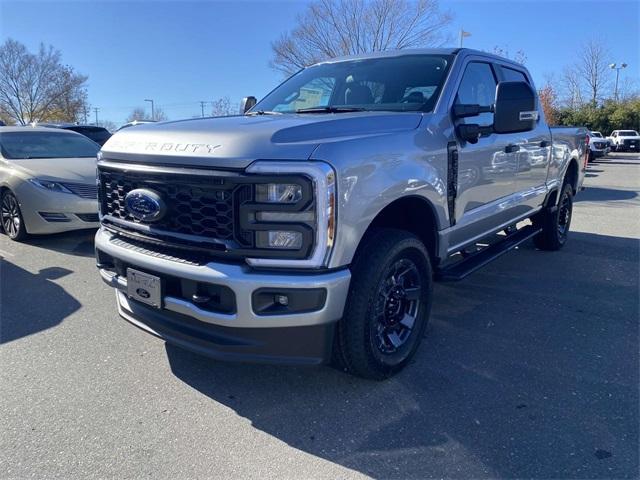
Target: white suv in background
598, 145
625, 140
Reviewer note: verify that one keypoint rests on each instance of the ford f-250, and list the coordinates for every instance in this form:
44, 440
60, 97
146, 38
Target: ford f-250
311, 227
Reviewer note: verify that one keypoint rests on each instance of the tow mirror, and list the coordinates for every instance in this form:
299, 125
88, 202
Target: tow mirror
469, 110
247, 104
515, 108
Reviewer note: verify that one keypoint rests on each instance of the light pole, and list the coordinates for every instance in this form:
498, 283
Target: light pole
615, 67
153, 112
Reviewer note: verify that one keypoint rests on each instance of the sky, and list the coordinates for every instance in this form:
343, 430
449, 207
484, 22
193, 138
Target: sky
179, 53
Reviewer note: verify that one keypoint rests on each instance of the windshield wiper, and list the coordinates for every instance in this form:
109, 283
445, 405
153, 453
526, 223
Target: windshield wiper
330, 110
262, 112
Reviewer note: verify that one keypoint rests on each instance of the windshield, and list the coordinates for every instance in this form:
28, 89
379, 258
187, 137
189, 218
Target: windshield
628, 133
405, 83
23, 145
596, 134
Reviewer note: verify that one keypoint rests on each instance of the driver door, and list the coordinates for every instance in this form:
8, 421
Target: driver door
487, 169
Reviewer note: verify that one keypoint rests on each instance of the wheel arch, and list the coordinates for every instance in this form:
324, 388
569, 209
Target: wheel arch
413, 214
572, 174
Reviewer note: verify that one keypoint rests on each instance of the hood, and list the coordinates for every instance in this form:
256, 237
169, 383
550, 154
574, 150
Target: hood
78, 170
235, 142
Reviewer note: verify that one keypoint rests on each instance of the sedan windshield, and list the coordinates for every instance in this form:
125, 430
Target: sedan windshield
404, 83
24, 145
628, 133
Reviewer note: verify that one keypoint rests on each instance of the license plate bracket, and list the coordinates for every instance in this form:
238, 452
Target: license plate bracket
144, 287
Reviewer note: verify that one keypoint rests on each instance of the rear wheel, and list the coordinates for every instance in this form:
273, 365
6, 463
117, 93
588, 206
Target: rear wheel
11, 217
388, 305
555, 223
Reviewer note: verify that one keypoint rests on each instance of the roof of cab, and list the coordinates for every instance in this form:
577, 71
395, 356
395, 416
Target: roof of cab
421, 51
29, 128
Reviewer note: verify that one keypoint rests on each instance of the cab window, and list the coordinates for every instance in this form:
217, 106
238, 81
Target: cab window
511, 75
478, 86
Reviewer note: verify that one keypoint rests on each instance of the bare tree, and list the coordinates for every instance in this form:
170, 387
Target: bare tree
572, 86
108, 124
332, 28
137, 113
518, 57
160, 116
222, 107
36, 87
593, 68
628, 89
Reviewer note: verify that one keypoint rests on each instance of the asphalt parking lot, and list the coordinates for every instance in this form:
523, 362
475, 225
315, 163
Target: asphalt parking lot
530, 368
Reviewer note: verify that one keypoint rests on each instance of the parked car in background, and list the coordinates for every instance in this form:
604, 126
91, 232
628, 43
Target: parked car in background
98, 134
312, 227
47, 181
625, 141
598, 145
134, 123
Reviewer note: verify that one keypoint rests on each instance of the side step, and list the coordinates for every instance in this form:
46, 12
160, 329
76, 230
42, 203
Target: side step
477, 260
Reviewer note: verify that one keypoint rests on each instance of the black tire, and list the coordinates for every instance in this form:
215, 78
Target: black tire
555, 223
388, 305
11, 217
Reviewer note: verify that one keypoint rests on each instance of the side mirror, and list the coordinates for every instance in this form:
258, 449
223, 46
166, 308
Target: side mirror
247, 104
461, 110
515, 108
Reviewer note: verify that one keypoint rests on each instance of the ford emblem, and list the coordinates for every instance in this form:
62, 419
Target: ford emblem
145, 205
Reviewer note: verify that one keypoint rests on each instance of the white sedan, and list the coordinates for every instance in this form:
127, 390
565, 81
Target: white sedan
47, 181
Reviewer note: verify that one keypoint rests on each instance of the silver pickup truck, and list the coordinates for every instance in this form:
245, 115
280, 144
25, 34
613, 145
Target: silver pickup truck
311, 227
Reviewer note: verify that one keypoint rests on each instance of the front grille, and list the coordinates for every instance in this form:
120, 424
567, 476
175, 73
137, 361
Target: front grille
628, 143
199, 206
83, 190
599, 144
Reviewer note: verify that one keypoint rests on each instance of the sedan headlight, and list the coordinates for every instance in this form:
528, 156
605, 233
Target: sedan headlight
49, 185
293, 216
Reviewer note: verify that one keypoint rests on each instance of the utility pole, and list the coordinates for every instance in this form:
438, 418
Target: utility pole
614, 66
153, 112
202, 104
84, 107
96, 110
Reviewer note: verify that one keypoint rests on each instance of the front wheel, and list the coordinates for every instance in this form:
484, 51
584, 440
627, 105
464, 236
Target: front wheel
555, 224
388, 305
12, 222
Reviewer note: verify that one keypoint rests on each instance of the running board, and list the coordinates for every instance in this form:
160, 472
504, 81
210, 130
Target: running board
477, 260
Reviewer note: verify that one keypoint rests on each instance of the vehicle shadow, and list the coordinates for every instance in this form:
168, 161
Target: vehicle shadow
599, 194
30, 303
77, 242
521, 374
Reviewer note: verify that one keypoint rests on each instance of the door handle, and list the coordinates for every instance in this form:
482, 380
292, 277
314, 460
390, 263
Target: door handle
545, 143
511, 148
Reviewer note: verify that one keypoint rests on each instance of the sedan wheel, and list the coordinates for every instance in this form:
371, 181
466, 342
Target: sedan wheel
11, 218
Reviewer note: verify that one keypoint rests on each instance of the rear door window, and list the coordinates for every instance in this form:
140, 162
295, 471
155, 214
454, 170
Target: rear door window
512, 75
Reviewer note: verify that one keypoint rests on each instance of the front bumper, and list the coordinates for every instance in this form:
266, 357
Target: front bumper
239, 335
33, 200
